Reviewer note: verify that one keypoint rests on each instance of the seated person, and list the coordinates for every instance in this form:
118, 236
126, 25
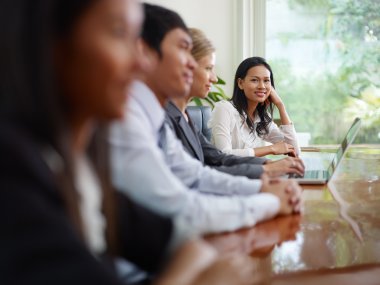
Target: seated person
243, 125
149, 162
194, 141
64, 70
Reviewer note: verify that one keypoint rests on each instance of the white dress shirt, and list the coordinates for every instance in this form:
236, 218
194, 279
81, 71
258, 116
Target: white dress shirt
175, 184
231, 134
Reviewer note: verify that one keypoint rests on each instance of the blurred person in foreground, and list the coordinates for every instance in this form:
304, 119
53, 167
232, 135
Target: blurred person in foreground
65, 68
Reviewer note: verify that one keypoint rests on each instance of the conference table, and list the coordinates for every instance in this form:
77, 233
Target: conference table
336, 240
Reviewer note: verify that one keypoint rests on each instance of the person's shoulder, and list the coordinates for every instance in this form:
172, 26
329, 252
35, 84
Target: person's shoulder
18, 146
224, 105
136, 119
23, 156
172, 109
14, 140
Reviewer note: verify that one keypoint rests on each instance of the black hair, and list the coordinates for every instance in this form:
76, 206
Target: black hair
157, 23
26, 74
30, 99
239, 100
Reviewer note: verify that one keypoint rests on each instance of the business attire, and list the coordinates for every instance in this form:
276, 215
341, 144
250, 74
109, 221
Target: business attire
151, 166
231, 134
195, 143
38, 242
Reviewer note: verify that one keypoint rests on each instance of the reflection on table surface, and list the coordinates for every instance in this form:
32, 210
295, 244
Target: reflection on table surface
335, 241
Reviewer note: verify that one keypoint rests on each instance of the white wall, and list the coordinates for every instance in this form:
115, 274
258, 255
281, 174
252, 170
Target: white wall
216, 19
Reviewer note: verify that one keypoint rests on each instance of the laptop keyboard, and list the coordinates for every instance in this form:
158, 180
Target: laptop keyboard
314, 174
316, 167
311, 174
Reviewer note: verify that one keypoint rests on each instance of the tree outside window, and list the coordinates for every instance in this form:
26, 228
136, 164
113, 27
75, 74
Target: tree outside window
326, 60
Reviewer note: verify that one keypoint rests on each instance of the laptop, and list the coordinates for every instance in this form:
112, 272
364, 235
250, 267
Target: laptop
323, 176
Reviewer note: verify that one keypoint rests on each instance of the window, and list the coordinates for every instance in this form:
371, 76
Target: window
325, 56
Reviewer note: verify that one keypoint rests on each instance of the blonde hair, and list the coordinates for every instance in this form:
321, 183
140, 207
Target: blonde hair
202, 46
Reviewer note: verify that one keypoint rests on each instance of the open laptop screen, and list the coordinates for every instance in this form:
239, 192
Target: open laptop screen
348, 140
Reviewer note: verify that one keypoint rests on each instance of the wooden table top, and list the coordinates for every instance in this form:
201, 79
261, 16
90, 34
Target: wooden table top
335, 241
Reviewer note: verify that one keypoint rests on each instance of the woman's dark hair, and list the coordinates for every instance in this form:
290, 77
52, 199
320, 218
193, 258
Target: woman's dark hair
28, 30
30, 99
157, 23
239, 100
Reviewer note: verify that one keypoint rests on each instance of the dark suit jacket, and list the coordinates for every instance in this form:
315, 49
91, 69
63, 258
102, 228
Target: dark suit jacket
38, 244
200, 148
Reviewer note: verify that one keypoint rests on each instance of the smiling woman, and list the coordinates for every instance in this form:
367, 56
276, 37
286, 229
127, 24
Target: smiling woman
243, 125
96, 60
204, 75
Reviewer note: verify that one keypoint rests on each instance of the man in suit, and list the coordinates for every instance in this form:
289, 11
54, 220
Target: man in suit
197, 145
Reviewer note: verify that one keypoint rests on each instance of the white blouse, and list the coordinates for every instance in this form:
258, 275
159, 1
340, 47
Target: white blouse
231, 134
90, 195
94, 223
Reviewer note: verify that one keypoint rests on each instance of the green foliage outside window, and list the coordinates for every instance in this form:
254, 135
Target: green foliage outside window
327, 103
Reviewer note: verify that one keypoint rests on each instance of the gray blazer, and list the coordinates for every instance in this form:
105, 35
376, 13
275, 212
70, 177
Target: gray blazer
200, 148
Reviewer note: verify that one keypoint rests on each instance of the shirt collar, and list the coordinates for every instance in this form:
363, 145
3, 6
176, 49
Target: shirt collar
173, 110
145, 97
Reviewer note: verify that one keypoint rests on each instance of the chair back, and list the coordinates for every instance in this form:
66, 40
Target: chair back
200, 116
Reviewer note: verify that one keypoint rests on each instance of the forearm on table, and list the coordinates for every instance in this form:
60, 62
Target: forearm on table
262, 151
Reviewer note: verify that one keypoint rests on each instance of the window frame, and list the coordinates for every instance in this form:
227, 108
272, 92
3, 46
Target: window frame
250, 28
